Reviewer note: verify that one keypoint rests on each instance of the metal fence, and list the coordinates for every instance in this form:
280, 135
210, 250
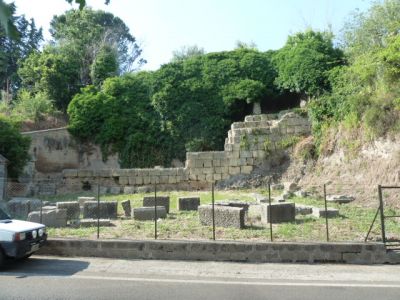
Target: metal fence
266, 214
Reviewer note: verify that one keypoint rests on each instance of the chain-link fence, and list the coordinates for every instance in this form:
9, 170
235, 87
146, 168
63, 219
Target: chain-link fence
331, 212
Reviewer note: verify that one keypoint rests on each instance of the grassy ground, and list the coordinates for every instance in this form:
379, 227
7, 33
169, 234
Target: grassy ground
352, 224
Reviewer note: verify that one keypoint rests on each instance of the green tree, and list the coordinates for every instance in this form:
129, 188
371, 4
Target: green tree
119, 117
89, 46
54, 72
12, 51
105, 65
88, 31
303, 63
186, 105
13, 146
187, 52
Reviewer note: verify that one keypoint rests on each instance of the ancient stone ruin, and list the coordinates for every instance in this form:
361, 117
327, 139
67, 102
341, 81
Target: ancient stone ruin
248, 145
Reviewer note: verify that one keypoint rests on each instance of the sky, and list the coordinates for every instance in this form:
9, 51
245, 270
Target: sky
162, 26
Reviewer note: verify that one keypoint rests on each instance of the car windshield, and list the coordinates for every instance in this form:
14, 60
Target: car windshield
3, 215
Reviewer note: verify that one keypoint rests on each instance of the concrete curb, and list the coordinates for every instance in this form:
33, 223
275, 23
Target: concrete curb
352, 253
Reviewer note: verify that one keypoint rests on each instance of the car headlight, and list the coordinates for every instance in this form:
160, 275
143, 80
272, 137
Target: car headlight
34, 234
41, 231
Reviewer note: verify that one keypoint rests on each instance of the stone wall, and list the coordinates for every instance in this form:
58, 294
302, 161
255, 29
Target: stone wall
54, 150
247, 146
352, 253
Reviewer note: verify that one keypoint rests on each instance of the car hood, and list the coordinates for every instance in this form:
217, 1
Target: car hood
19, 226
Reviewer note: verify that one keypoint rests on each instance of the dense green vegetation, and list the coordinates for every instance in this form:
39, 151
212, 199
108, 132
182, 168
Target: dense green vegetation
365, 93
90, 71
88, 46
13, 146
185, 105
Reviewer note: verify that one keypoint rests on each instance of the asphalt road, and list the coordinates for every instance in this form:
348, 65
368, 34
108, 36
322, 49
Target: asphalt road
95, 278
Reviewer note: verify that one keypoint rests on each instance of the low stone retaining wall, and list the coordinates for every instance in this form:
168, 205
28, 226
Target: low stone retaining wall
353, 253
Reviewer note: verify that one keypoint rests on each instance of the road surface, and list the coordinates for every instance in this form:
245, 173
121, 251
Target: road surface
96, 278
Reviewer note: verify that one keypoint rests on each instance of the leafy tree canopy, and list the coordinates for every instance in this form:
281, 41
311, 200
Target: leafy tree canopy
12, 51
13, 146
89, 46
187, 104
303, 63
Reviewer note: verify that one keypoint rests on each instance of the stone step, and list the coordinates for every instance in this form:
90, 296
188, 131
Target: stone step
264, 117
252, 124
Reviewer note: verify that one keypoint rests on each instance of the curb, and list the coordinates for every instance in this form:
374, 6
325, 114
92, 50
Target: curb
258, 252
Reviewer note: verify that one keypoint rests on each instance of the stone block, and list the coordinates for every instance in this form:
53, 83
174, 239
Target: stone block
201, 177
207, 163
216, 163
70, 173
19, 207
188, 203
50, 218
115, 190
132, 180
246, 154
234, 170
225, 216
72, 208
148, 213
94, 222
246, 169
341, 199
161, 201
145, 189
126, 206
82, 200
129, 190
107, 209
217, 176
303, 210
330, 212
278, 212
106, 173
234, 203
124, 180
85, 173
209, 177
139, 180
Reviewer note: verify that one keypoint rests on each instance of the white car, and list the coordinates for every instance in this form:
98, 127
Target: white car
19, 239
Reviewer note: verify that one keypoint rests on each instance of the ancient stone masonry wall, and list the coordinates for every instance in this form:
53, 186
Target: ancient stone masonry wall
124, 180
54, 150
247, 146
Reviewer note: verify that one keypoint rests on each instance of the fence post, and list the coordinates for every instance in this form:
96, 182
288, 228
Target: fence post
382, 214
41, 210
155, 210
213, 207
270, 211
326, 215
98, 210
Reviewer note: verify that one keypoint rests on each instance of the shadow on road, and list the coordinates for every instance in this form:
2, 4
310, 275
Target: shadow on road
38, 266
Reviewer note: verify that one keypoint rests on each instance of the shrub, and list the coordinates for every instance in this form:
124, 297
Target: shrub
13, 146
